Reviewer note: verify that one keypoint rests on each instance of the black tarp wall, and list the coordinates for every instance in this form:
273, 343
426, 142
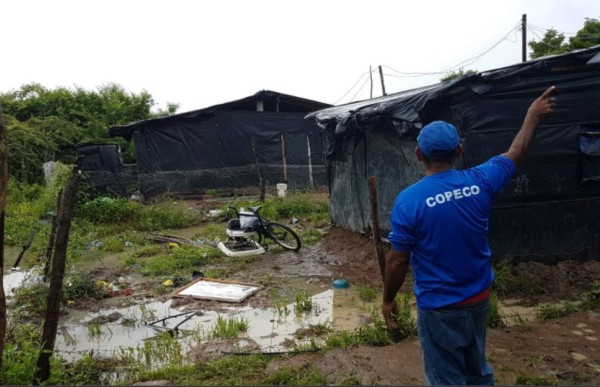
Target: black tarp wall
550, 209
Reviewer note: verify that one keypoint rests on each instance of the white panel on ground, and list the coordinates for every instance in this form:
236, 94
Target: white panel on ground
218, 290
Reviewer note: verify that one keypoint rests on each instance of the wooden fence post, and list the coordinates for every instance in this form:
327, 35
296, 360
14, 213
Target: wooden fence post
64, 213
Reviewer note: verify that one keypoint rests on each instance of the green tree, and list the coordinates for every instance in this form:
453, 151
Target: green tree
551, 44
586, 37
452, 75
43, 123
554, 42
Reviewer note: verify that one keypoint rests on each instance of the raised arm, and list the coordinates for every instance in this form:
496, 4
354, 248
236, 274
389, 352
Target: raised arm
540, 108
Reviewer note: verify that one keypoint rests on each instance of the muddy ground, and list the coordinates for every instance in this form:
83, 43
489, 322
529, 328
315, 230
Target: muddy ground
564, 350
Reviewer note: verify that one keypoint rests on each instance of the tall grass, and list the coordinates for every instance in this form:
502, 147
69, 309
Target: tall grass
296, 205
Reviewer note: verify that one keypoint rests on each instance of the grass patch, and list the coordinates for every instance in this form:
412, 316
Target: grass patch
297, 204
175, 260
228, 328
225, 371
366, 292
377, 333
305, 375
535, 380
550, 311
303, 303
310, 236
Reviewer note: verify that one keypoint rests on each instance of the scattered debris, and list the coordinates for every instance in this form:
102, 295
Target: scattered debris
173, 239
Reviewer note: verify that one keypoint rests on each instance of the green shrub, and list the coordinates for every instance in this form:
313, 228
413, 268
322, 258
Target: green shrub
108, 210
591, 300
494, 320
80, 285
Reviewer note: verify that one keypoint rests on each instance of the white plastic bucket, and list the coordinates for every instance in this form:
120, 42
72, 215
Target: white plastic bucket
282, 190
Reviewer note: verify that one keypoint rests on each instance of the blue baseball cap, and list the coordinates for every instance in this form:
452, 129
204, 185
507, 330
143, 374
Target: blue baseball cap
437, 138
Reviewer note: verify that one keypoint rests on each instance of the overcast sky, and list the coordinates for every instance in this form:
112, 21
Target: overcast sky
202, 53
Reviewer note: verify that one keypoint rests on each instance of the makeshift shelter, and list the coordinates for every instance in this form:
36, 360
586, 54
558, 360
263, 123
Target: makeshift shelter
263, 137
550, 210
103, 166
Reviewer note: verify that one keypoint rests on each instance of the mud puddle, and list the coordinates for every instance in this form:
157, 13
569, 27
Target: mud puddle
116, 331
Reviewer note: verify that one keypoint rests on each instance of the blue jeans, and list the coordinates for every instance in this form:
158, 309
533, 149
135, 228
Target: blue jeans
453, 344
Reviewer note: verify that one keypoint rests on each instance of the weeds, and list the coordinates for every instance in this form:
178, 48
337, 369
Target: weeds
591, 300
94, 329
303, 303
295, 205
547, 312
80, 285
31, 300
228, 328
535, 380
404, 318
305, 375
314, 330
494, 320
225, 371
173, 260
366, 292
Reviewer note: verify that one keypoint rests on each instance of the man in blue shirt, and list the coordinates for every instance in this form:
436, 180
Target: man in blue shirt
440, 225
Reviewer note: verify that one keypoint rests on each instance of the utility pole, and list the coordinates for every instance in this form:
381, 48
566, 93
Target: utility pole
382, 84
524, 36
371, 78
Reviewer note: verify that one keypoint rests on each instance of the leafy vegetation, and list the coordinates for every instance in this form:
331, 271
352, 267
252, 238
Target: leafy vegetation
366, 292
550, 311
228, 328
554, 42
494, 319
452, 75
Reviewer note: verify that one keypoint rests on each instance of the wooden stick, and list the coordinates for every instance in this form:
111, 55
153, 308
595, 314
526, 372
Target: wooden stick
375, 225
65, 214
284, 159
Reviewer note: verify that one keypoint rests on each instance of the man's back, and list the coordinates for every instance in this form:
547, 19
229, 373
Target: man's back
443, 221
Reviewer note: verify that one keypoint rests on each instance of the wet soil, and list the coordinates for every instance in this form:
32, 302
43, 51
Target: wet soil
564, 350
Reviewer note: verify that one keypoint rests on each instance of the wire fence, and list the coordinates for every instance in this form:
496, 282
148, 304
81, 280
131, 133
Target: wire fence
246, 179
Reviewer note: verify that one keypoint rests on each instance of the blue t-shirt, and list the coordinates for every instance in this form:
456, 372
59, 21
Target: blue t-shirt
442, 221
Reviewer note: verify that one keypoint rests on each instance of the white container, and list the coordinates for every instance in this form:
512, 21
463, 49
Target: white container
282, 190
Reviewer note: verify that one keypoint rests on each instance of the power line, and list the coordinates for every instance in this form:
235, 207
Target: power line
361, 87
353, 86
463, 63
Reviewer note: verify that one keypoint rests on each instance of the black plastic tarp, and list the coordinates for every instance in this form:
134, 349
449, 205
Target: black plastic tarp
225, 149
230, 145
103, 165
554, 196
